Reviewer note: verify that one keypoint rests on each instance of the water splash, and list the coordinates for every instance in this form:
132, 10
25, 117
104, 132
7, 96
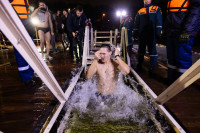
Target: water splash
124, 105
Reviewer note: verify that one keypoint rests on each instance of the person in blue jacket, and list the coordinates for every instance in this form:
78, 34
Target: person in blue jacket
76, 23
147, 27
181, 26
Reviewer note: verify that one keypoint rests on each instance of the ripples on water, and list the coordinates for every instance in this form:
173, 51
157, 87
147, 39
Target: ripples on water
123, 112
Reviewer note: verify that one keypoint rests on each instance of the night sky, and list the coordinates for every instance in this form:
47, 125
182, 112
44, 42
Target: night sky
94, 9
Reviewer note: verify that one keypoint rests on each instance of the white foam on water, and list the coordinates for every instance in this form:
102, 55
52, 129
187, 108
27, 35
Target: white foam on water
123, 104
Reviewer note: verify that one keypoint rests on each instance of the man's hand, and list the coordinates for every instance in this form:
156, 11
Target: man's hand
184, 37
97, 56
117, 52
74, 34
52, 33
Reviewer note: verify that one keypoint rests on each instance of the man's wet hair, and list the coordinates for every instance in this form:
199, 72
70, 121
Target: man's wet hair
79, 8
41, 2
106, 46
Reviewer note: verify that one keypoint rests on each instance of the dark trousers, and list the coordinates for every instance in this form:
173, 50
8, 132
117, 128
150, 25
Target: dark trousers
78, 41
151, 45
53, 43
70, 36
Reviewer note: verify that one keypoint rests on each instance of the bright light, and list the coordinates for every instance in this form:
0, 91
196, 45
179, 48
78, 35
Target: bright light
69, 10
123, 13
103, 14
35, 21
118, 13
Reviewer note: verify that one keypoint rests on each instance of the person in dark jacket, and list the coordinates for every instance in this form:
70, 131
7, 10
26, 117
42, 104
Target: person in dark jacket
127, 22
76, 23
181, 26
64, 21
59, 28
147, 26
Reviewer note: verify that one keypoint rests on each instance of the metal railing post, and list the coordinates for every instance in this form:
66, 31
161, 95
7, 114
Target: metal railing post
92, 39
111, 36
115, 37
95, 37
86, 46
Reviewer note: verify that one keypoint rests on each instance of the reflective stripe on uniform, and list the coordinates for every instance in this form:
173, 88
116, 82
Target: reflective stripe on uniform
171, 66
176, 5
154, 55
23, 68
182, 70
158, 26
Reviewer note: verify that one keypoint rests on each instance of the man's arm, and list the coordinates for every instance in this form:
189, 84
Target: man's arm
69, 23
122, 65
50, 23
93, 67
82, 28
158, 22
192, 24
35, 12
136, 25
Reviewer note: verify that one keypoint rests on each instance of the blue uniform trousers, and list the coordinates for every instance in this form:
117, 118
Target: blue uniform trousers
25, 70
179, 57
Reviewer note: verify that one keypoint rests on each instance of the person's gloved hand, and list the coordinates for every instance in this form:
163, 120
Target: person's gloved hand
184, 37
162, 38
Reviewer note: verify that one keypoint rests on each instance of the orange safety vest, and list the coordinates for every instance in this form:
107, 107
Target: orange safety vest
152, 9
178, 5
22, 8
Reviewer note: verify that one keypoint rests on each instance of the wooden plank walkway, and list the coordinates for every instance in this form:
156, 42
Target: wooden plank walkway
25, 109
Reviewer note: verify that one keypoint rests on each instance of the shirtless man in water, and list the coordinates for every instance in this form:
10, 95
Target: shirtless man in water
107, 69
44, 27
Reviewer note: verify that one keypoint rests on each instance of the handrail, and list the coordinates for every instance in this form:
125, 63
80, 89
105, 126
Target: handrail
14, 30
86, 47
186, 79
16, 33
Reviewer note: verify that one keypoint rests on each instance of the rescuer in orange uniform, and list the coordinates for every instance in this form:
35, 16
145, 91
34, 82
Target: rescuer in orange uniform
147, 27
25, 71
181, 26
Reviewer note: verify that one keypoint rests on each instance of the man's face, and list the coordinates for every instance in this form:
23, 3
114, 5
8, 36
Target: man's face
146, 2
42, 5
105, 54
64, 12
78, 13
58, 12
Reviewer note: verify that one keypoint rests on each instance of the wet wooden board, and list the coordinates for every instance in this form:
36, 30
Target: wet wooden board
30, 106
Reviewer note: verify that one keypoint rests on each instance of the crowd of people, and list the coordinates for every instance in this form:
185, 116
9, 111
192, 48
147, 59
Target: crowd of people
65, 27
181, 26
60, 27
